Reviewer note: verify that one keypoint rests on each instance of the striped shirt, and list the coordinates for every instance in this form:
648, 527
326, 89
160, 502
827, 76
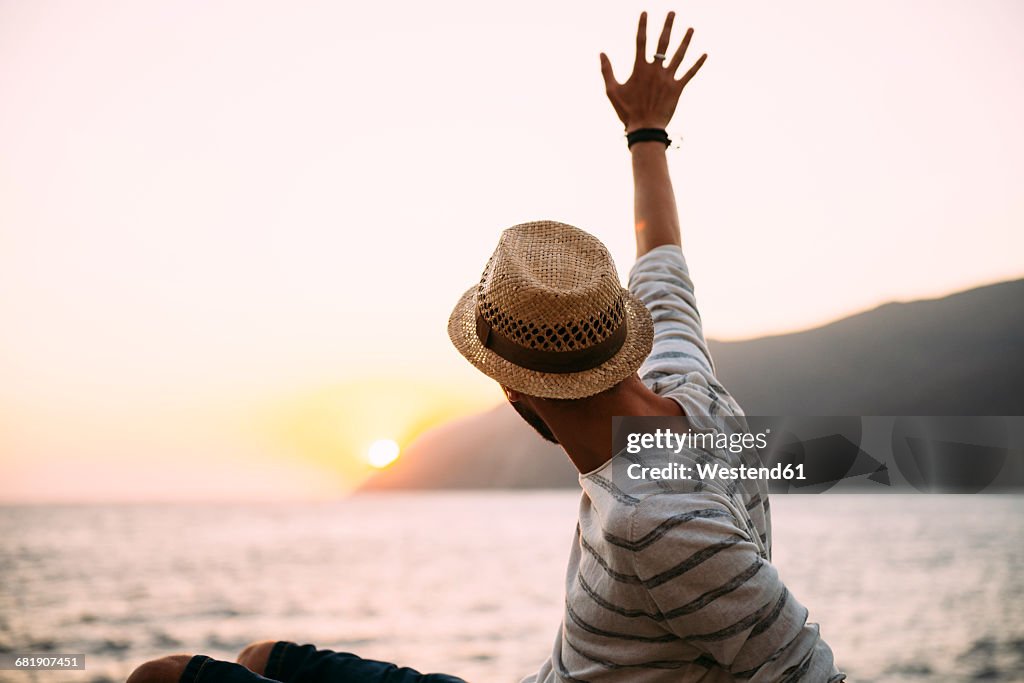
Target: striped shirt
671, 580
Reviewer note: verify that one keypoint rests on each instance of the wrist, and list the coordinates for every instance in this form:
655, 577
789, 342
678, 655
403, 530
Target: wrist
647, 150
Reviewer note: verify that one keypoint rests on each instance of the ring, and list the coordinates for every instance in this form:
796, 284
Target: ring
659, 55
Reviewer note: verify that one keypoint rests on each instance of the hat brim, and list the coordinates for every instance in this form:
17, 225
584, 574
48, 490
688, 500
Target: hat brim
635, 349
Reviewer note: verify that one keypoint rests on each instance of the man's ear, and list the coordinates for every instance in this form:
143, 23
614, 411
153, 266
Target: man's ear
512, 395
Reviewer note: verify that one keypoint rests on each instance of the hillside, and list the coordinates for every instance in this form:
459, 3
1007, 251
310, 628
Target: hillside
959, 355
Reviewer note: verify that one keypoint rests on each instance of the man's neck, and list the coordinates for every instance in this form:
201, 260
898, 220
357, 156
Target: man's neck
585, 433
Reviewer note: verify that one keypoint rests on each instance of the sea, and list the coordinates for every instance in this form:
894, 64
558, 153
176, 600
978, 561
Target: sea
916, 588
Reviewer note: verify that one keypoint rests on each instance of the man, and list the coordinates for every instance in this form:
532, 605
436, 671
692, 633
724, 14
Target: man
666, 581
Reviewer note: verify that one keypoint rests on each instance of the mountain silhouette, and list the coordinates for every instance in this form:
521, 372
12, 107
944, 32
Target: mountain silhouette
959, 355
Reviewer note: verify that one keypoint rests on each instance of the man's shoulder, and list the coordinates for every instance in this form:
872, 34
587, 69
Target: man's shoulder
631, 513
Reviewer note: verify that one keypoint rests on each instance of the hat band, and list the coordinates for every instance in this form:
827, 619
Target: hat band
554, 362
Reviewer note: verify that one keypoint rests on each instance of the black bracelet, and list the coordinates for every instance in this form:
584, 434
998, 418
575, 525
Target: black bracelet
648, 135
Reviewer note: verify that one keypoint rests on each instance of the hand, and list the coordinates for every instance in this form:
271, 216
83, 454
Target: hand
649, 98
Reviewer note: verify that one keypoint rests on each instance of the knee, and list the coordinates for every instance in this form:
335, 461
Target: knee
254, 656
163, 670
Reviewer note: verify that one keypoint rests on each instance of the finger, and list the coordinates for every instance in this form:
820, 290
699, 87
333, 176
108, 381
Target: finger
606, 71
641, 39
677, 58
693, 70
666, 34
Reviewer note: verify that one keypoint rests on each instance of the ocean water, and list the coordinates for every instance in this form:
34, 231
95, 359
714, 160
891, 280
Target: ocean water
906, 588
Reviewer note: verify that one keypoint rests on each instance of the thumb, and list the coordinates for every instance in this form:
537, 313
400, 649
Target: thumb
606, 71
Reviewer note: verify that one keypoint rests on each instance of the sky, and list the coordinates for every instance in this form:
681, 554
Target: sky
231, 233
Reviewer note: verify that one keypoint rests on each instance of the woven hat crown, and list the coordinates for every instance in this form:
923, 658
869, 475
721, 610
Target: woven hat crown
549, 317
551, 287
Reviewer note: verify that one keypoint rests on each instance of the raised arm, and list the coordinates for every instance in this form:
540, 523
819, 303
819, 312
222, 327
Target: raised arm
647, 101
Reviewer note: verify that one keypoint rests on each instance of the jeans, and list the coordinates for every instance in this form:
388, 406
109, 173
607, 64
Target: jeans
291, 663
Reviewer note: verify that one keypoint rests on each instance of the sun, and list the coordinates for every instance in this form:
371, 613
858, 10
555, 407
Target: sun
382, 453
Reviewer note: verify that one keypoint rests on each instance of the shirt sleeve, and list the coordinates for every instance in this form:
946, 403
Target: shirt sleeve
715, 592
679, 365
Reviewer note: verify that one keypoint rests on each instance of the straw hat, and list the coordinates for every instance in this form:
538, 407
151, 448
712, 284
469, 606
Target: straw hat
549, 317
